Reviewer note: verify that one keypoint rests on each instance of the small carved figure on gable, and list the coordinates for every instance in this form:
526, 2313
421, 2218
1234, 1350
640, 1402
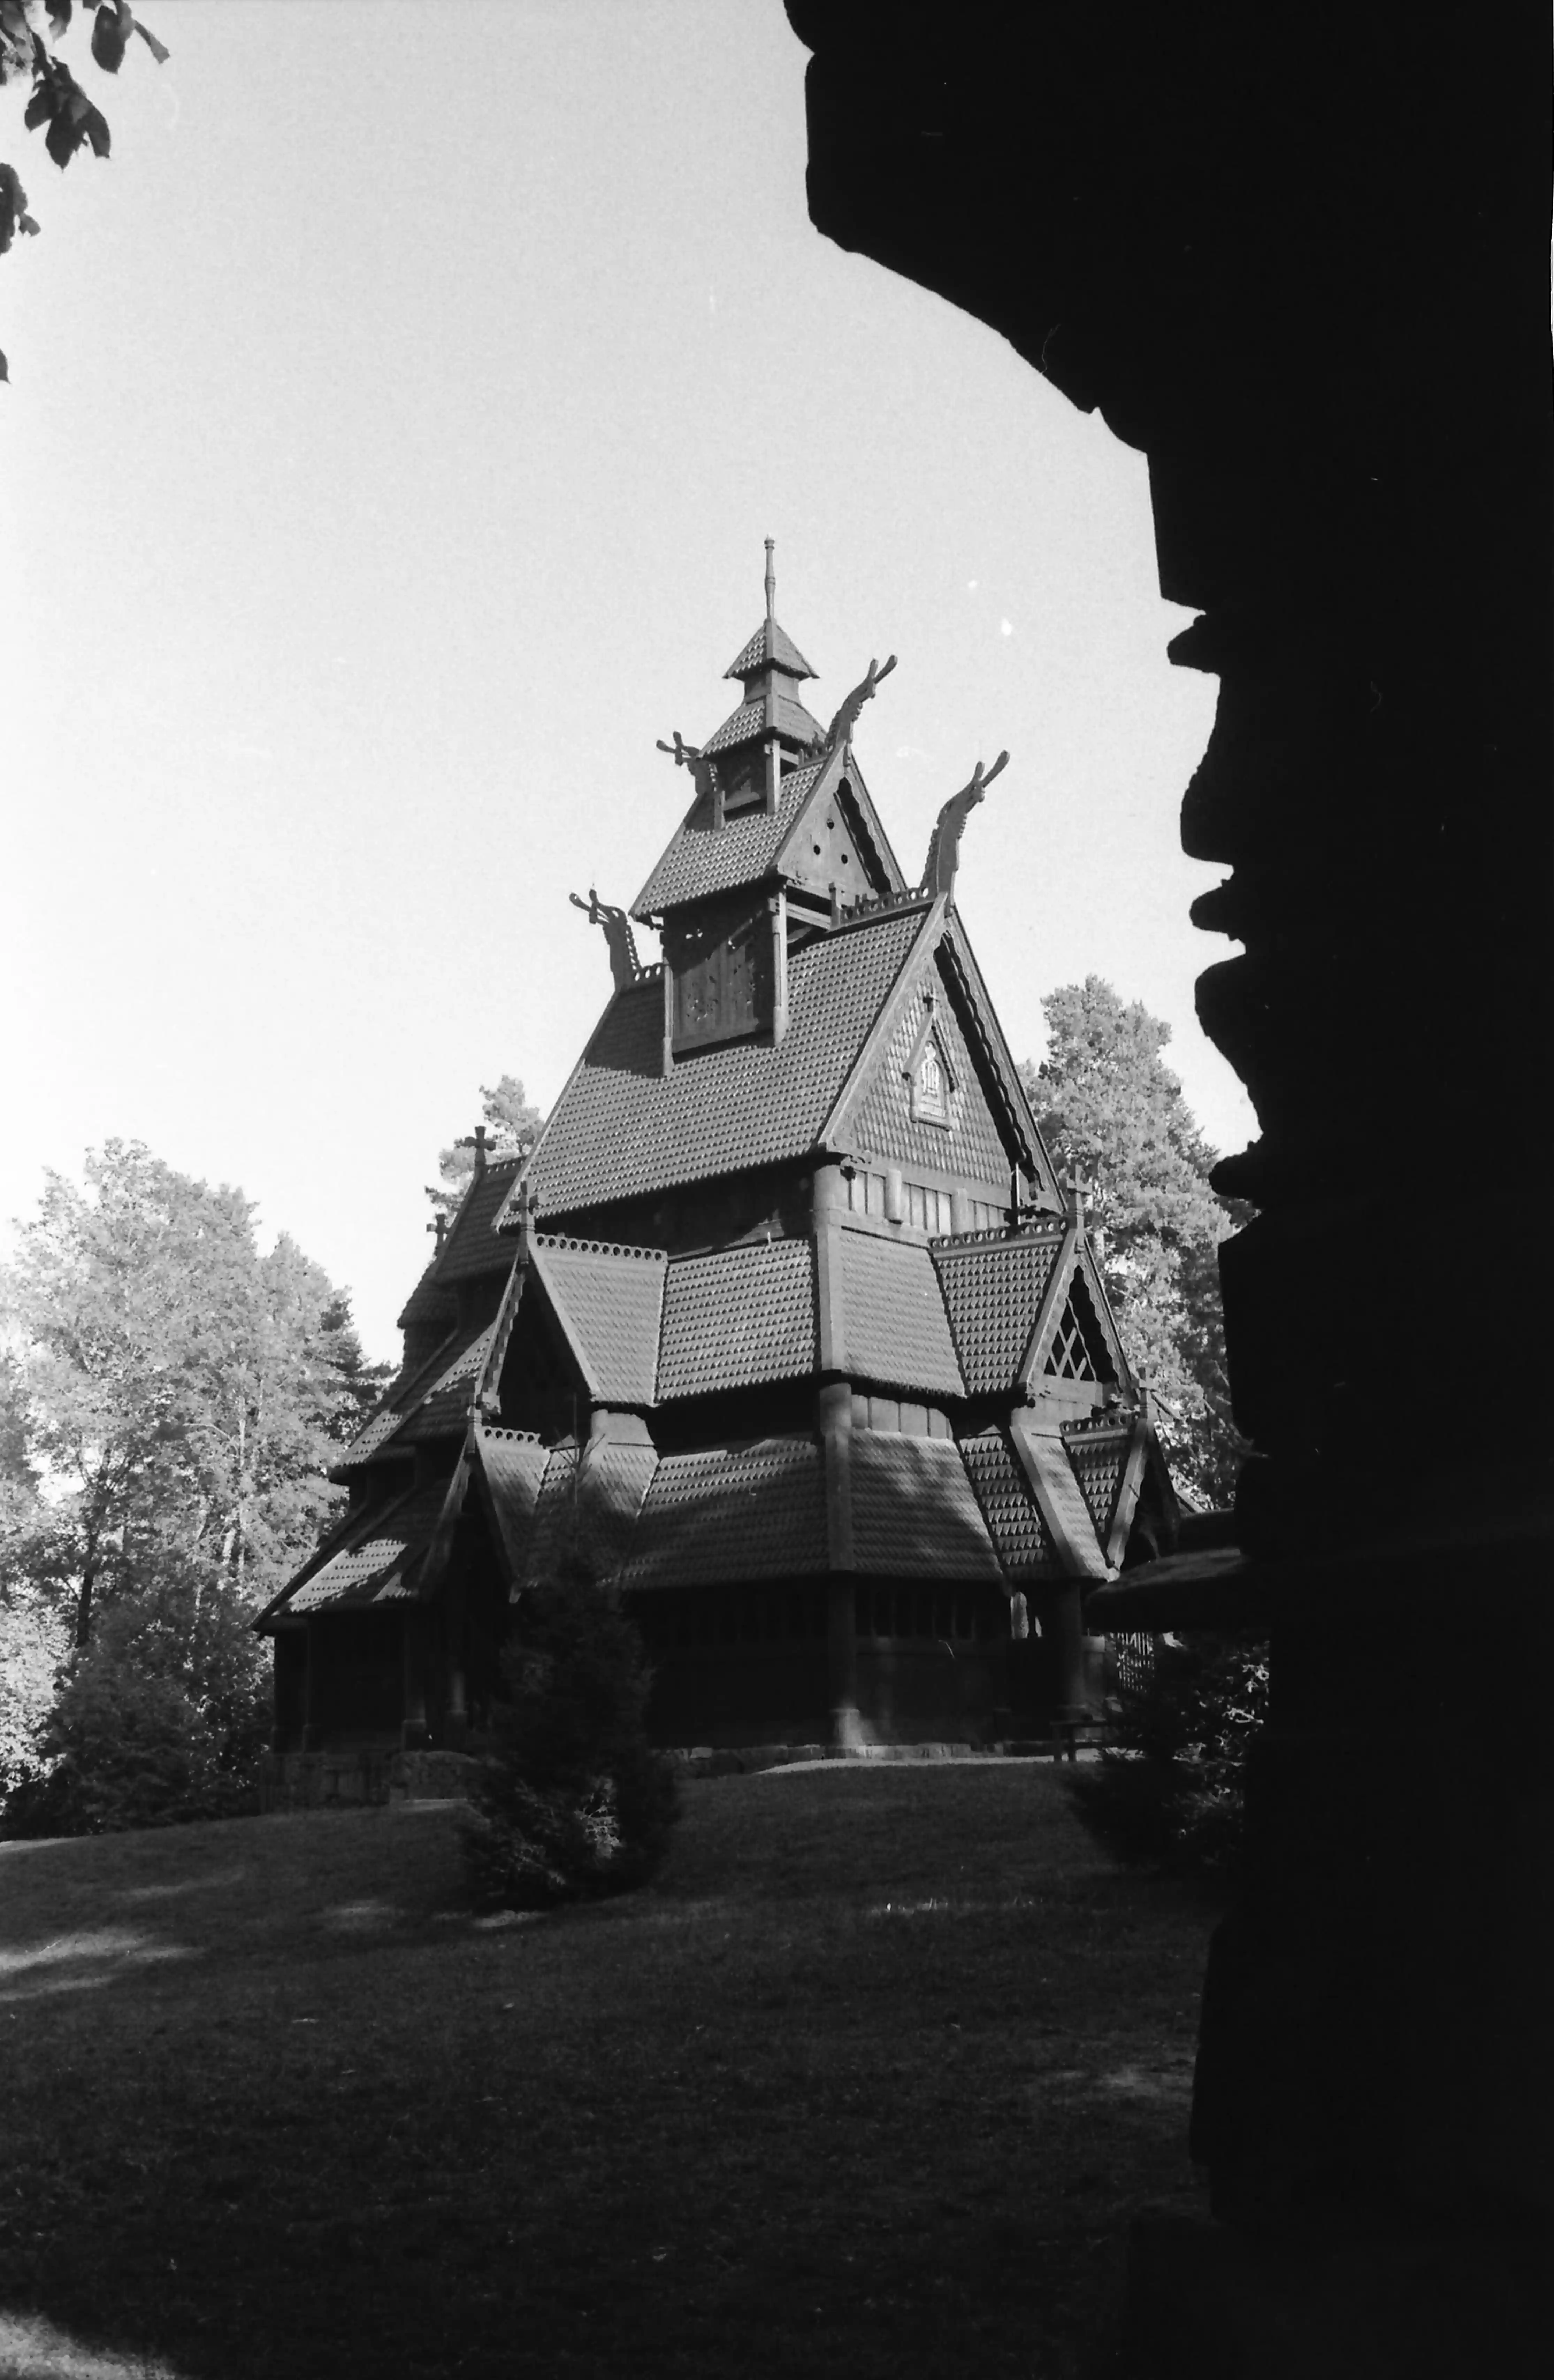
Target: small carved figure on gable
704, 775
624, 965
944, 845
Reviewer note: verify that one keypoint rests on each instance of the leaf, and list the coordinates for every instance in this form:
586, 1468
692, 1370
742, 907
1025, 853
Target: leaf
110, 34
59, 13
159, 50
13, 201
5, 369
62, 137
39, 107
96, 126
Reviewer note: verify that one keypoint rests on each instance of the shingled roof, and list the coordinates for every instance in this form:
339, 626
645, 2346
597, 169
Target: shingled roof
894, 1316
914, 1514
769, 648
376, 1561
993, 1284
608, 1301
740, 1316
471, 1246
511, 1466
623, 1127
729, 1514
748, 724
703, 858
438, 1391
1014, 1517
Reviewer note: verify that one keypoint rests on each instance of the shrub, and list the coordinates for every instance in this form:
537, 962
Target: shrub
572, 1800
1169, 1787
126, 1744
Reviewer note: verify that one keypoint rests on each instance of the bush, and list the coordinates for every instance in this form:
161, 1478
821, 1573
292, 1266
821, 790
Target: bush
127, 1746
1170, 1785
572, 1802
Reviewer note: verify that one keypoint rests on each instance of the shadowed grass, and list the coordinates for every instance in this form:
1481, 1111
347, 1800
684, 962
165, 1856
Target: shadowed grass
871, 2078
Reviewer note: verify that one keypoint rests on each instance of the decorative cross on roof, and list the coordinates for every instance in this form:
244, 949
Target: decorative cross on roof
482, 1147
439, 1224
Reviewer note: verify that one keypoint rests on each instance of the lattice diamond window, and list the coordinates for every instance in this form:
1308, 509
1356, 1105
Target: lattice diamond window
1078, 1351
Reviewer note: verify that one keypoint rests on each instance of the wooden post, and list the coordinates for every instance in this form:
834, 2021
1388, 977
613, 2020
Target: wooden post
842, 1655
835, 1418
414, 1734
455, 1678
1063, 1619
778, 909
310, 1736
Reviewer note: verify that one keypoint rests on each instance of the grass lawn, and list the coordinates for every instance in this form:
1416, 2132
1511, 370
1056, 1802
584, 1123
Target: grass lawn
870, 2081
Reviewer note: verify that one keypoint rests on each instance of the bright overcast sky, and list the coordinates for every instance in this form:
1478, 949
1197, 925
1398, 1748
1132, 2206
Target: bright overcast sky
393, 429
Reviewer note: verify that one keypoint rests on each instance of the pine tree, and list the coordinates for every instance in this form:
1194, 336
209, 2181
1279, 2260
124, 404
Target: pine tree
513, 1127
1104, 1096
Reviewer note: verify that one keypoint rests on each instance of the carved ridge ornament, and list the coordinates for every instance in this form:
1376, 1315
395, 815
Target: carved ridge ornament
625, 967
944, 843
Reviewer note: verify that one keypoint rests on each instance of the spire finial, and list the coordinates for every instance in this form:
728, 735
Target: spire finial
771, 579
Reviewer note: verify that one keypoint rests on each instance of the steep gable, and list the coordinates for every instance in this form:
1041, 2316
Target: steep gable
970, 1119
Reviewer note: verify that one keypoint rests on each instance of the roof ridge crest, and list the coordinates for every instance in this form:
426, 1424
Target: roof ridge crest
599, 1248
1003, 1235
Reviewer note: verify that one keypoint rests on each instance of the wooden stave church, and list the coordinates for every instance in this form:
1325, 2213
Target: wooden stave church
787, 1325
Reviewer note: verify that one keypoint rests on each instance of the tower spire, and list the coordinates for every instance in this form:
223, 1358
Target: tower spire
771, 579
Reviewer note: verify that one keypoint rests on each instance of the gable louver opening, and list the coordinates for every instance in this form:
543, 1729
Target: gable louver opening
1078, 1351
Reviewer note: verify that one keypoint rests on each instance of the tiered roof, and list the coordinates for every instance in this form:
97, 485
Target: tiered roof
965, 1339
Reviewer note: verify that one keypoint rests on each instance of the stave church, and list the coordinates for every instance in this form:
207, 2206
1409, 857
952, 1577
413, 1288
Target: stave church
787, 1326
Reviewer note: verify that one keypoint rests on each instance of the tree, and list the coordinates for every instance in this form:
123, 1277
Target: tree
1170, 1785
1104, 1097
515, 1125
572, 1802
57, 102
178, 1398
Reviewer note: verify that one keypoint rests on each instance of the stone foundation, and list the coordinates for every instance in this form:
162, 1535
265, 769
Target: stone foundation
362, 1777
